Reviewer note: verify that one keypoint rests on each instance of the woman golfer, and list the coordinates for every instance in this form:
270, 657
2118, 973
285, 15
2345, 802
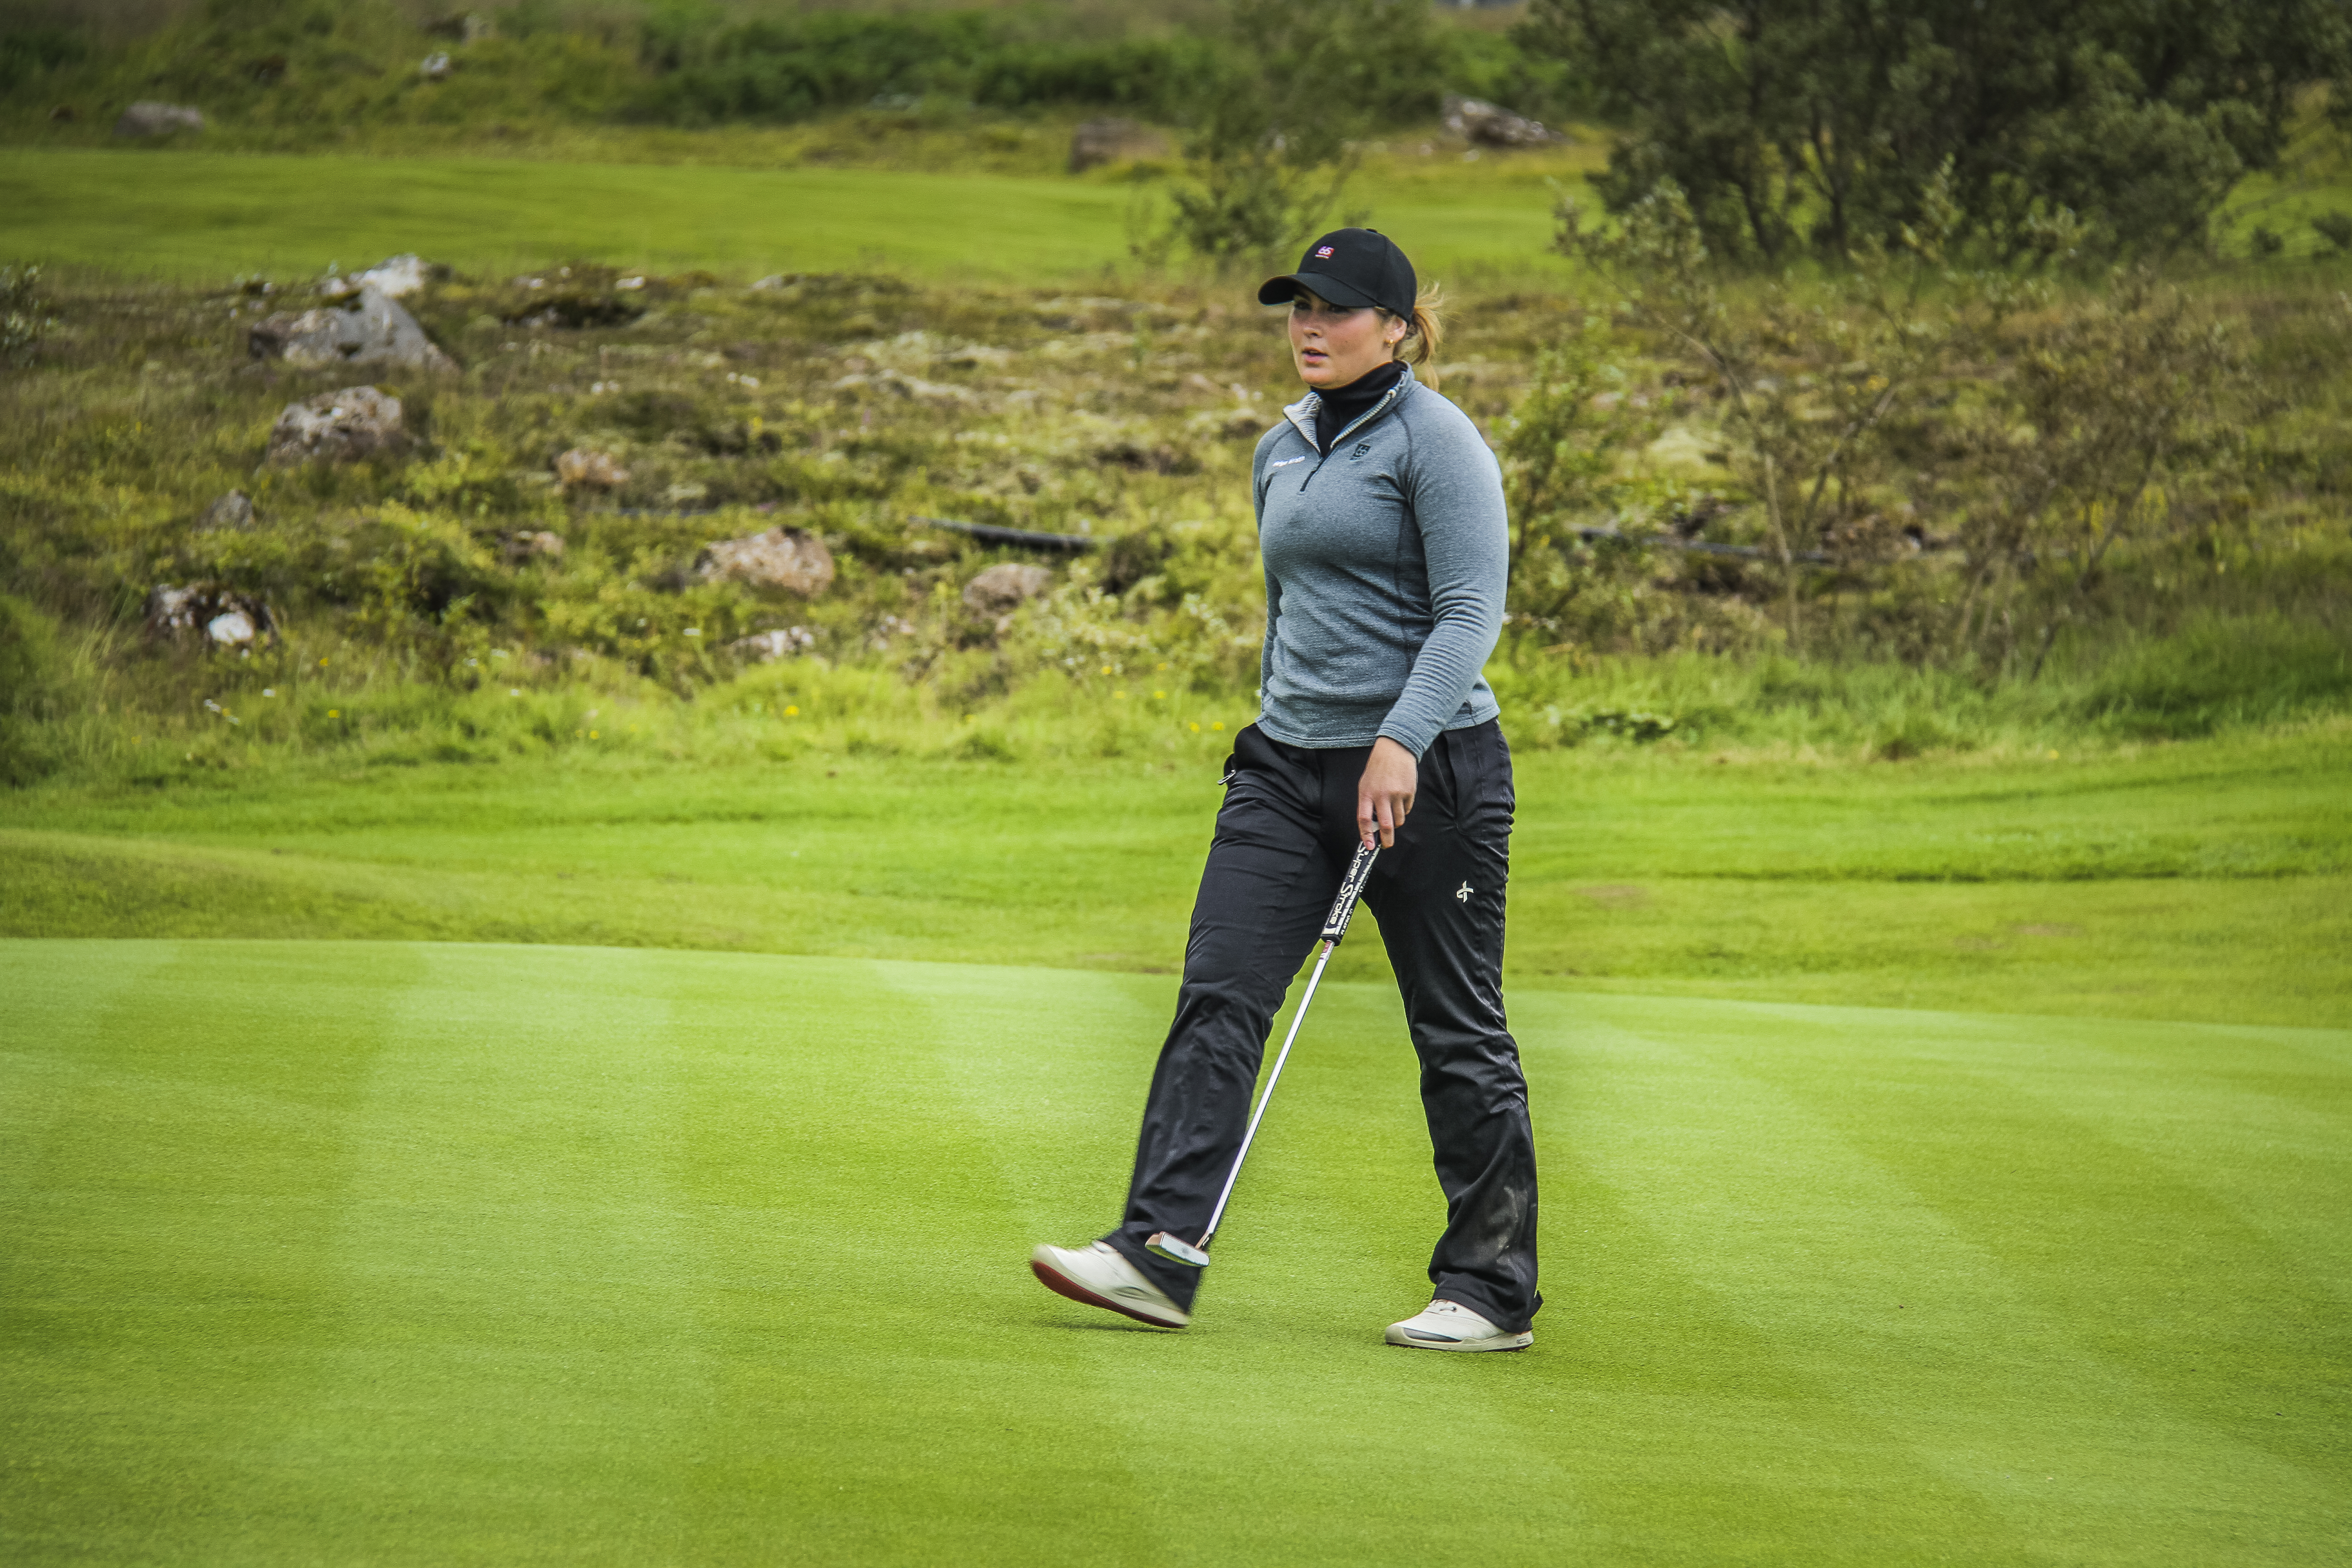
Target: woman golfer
1380, 514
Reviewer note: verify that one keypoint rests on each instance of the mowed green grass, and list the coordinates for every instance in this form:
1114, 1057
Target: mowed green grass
2208, 880
389, 1253
189, 214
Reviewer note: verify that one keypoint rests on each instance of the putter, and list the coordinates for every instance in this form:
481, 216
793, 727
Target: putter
1335, 926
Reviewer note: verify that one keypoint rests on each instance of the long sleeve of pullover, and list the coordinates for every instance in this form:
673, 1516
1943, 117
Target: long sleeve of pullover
1386, 561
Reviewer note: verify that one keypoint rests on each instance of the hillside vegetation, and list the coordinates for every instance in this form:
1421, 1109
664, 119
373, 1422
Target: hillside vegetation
1931, 498
280, 77
472, 596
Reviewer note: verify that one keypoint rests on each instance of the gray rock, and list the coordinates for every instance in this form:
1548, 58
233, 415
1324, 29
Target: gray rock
1483, 124
783, 558
222, 618
1007, 587
437, 67
768, 647
148, 118
585, 465
1096, 142
368, 327
338, 426
232, 510
536, 545
396, 276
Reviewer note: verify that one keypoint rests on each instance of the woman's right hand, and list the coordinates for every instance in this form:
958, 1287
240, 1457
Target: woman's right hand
1384, 794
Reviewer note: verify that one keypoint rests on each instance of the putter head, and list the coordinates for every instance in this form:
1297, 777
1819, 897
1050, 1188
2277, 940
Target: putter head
1175, 1251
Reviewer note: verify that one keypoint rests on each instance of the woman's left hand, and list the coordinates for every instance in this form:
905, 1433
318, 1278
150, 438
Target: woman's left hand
1385, 793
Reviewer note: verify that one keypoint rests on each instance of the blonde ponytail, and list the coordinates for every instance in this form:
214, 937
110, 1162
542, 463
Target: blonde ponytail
1424, 333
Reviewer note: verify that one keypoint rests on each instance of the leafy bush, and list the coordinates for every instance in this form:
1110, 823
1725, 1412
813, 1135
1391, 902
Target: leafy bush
28, 52
23, 321
1270, 149
782, 69
2336, 228
1865, 422
1793, 125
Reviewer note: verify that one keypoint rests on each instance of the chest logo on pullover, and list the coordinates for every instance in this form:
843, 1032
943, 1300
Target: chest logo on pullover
1365, 447
1462, 896
1283, 464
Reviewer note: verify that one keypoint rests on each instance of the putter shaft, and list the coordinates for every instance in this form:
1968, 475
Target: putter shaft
1335, 926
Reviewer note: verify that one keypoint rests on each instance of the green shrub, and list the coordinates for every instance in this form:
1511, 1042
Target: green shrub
2336, 228
23, 323
1799, 125
790, 68
28, 52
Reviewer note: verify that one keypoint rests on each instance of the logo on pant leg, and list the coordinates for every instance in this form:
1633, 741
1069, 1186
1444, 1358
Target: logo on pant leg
1462, 895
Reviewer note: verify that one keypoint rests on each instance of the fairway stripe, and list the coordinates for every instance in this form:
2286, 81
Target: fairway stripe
536, 1254
1780, 1209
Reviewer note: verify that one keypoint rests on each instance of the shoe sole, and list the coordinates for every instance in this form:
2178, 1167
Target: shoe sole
1492, 1342
1063, 1285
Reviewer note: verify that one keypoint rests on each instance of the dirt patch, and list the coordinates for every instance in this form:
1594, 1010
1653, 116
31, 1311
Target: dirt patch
1617, 896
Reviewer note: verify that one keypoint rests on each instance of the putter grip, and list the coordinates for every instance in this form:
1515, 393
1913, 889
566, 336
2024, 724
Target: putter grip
1360, 871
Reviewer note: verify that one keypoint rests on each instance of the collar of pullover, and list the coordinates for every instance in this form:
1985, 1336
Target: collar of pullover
1341, 406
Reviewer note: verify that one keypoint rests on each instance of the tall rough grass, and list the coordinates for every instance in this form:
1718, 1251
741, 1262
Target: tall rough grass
420, 617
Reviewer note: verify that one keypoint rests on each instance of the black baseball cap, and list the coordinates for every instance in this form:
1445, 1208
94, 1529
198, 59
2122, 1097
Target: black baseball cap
1351, 268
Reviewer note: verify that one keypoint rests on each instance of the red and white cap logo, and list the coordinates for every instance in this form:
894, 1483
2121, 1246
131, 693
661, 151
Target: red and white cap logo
1323, 253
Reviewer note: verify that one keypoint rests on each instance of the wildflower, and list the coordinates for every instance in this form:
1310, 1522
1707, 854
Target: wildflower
514, 691
322, 664
1120, 695
1164, 667
592, 734
1196, 727
1218, 725
335, 712
269, 691
694, 631
1159, 696
792, 711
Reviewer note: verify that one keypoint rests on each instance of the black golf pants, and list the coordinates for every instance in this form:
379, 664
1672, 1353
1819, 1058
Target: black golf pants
1285, 838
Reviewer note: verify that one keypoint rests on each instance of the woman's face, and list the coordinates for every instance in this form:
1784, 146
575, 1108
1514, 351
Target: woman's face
1332, 346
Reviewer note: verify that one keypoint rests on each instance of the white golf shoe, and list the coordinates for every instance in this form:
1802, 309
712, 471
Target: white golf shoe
1100, 1276
1450, 1326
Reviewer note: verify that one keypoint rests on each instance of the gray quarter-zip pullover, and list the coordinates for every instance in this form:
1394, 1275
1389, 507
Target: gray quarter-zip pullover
1385, 567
